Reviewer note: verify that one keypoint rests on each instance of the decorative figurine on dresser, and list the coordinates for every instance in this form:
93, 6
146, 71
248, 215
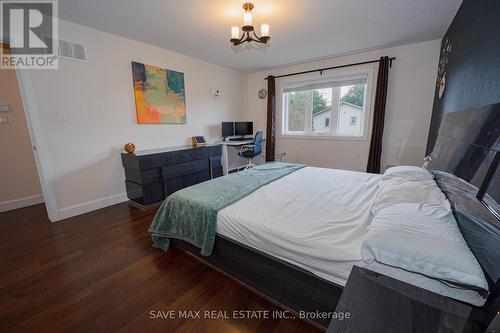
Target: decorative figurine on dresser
152, 175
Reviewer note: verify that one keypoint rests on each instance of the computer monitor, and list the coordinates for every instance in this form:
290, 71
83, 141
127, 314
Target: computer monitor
242, 128
227, 129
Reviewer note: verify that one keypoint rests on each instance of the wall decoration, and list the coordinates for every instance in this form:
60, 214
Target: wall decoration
159, 95
442, 85
443, 61
262, 93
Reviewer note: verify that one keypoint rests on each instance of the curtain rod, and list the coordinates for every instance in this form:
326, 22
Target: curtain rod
335, 67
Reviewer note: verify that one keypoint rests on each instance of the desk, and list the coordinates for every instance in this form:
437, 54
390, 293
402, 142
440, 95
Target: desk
230, 158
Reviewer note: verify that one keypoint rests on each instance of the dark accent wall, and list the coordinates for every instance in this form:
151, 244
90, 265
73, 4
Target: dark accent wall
471, 64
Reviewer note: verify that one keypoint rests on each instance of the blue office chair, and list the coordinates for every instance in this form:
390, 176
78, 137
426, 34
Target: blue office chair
250, 151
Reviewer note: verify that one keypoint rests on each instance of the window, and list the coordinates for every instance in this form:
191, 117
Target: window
328, 108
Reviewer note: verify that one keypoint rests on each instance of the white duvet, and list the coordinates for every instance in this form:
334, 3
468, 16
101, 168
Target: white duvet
313, 218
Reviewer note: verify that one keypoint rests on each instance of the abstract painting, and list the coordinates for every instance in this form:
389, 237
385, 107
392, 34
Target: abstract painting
159, 95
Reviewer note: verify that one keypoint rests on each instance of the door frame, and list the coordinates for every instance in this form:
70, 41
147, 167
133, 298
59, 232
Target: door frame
38, 144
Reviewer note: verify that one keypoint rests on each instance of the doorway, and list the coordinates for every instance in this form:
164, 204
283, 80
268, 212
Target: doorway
19, 181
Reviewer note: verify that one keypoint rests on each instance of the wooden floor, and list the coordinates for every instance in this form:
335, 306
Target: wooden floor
98, 273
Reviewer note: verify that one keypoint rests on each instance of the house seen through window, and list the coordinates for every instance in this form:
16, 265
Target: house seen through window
334, 108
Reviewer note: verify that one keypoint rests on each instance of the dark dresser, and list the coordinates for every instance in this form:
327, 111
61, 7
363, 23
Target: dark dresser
151, 175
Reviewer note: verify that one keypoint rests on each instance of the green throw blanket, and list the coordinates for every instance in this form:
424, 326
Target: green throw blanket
190, 214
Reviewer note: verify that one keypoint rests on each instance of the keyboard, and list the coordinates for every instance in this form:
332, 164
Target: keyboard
237, 139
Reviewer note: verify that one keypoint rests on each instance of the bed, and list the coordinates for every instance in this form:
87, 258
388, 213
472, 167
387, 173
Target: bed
255, 231
301, 266
328, 245
295, 239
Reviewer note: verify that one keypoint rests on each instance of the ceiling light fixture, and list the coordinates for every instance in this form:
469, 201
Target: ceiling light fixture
248, 29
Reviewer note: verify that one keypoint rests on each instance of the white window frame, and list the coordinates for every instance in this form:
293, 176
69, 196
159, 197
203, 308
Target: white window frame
334, 75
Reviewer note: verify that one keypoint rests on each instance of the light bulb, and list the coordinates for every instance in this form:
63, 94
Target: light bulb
247, 19
235, 33
264, 30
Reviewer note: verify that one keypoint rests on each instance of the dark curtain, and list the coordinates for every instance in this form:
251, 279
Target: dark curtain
373, 165
271, 119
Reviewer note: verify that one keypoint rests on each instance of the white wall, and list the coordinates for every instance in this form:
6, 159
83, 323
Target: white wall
97, 100
408, 111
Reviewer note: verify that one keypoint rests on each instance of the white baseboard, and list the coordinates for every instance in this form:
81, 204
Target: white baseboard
89, 206
21, 203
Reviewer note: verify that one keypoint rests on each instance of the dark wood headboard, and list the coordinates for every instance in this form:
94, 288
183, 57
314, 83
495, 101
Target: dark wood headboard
468, 146
465, 163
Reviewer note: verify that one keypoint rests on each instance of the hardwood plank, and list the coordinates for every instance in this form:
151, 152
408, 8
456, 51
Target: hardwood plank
98, 272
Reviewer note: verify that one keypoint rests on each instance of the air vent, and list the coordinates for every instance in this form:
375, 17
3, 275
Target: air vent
72, 50
79, 51
65, 49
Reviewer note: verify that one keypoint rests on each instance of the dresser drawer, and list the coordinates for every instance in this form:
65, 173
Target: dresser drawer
186, 168
143, 176
145, 194
174, 184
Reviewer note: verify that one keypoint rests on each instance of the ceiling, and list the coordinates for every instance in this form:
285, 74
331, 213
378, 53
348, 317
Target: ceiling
301, 30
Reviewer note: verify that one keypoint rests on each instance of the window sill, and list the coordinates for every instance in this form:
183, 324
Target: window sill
322, 137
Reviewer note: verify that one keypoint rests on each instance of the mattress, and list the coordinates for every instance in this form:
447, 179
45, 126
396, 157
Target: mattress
313, 218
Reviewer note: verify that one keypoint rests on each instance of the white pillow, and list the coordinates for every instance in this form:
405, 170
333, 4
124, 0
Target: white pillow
408, 172
400, 190
425, 239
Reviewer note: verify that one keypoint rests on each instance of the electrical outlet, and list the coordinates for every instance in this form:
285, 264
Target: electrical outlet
4, 119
